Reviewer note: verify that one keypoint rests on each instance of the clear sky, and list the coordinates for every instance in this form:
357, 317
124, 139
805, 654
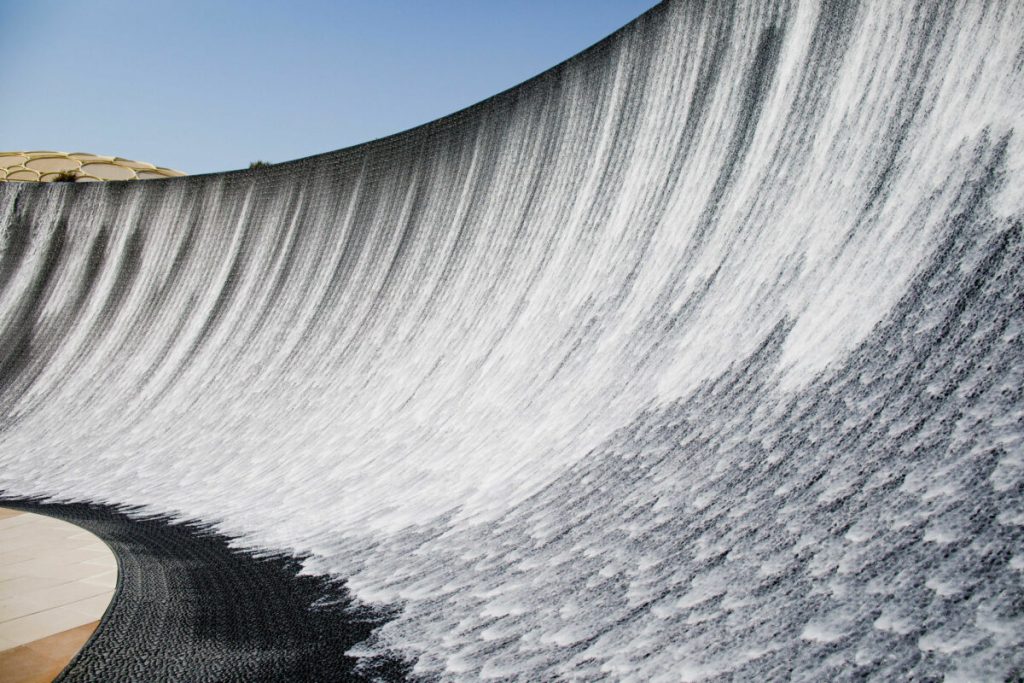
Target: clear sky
210, 85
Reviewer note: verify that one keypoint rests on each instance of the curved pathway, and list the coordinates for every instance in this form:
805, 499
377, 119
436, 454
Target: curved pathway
190, 607
56, 581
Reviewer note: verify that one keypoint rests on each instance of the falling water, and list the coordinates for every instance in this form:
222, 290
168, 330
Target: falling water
699, 355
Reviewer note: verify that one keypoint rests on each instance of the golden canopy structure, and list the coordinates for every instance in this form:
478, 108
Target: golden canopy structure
41, 166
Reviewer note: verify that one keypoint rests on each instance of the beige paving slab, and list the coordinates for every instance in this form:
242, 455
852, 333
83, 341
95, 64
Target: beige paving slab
14, 521
42, 660
44, 568
41, 624
54, 577
99, 562
43, 599
14, 557
21, 584
38, 542
94, 605
70, 555
14, 606
107, 579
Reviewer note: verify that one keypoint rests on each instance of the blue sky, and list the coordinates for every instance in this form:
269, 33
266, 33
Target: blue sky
209, 85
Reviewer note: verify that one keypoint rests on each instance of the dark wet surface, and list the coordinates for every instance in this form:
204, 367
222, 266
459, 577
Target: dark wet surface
190, 608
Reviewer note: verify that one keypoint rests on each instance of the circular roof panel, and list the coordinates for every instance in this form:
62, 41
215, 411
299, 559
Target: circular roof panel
48, 164
44, 166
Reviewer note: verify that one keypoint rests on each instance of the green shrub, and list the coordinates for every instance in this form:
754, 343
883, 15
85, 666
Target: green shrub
65, 177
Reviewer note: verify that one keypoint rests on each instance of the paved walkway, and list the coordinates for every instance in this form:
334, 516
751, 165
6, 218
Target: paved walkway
56, 580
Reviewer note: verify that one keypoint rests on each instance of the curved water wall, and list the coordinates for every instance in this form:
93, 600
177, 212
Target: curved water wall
699, 355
